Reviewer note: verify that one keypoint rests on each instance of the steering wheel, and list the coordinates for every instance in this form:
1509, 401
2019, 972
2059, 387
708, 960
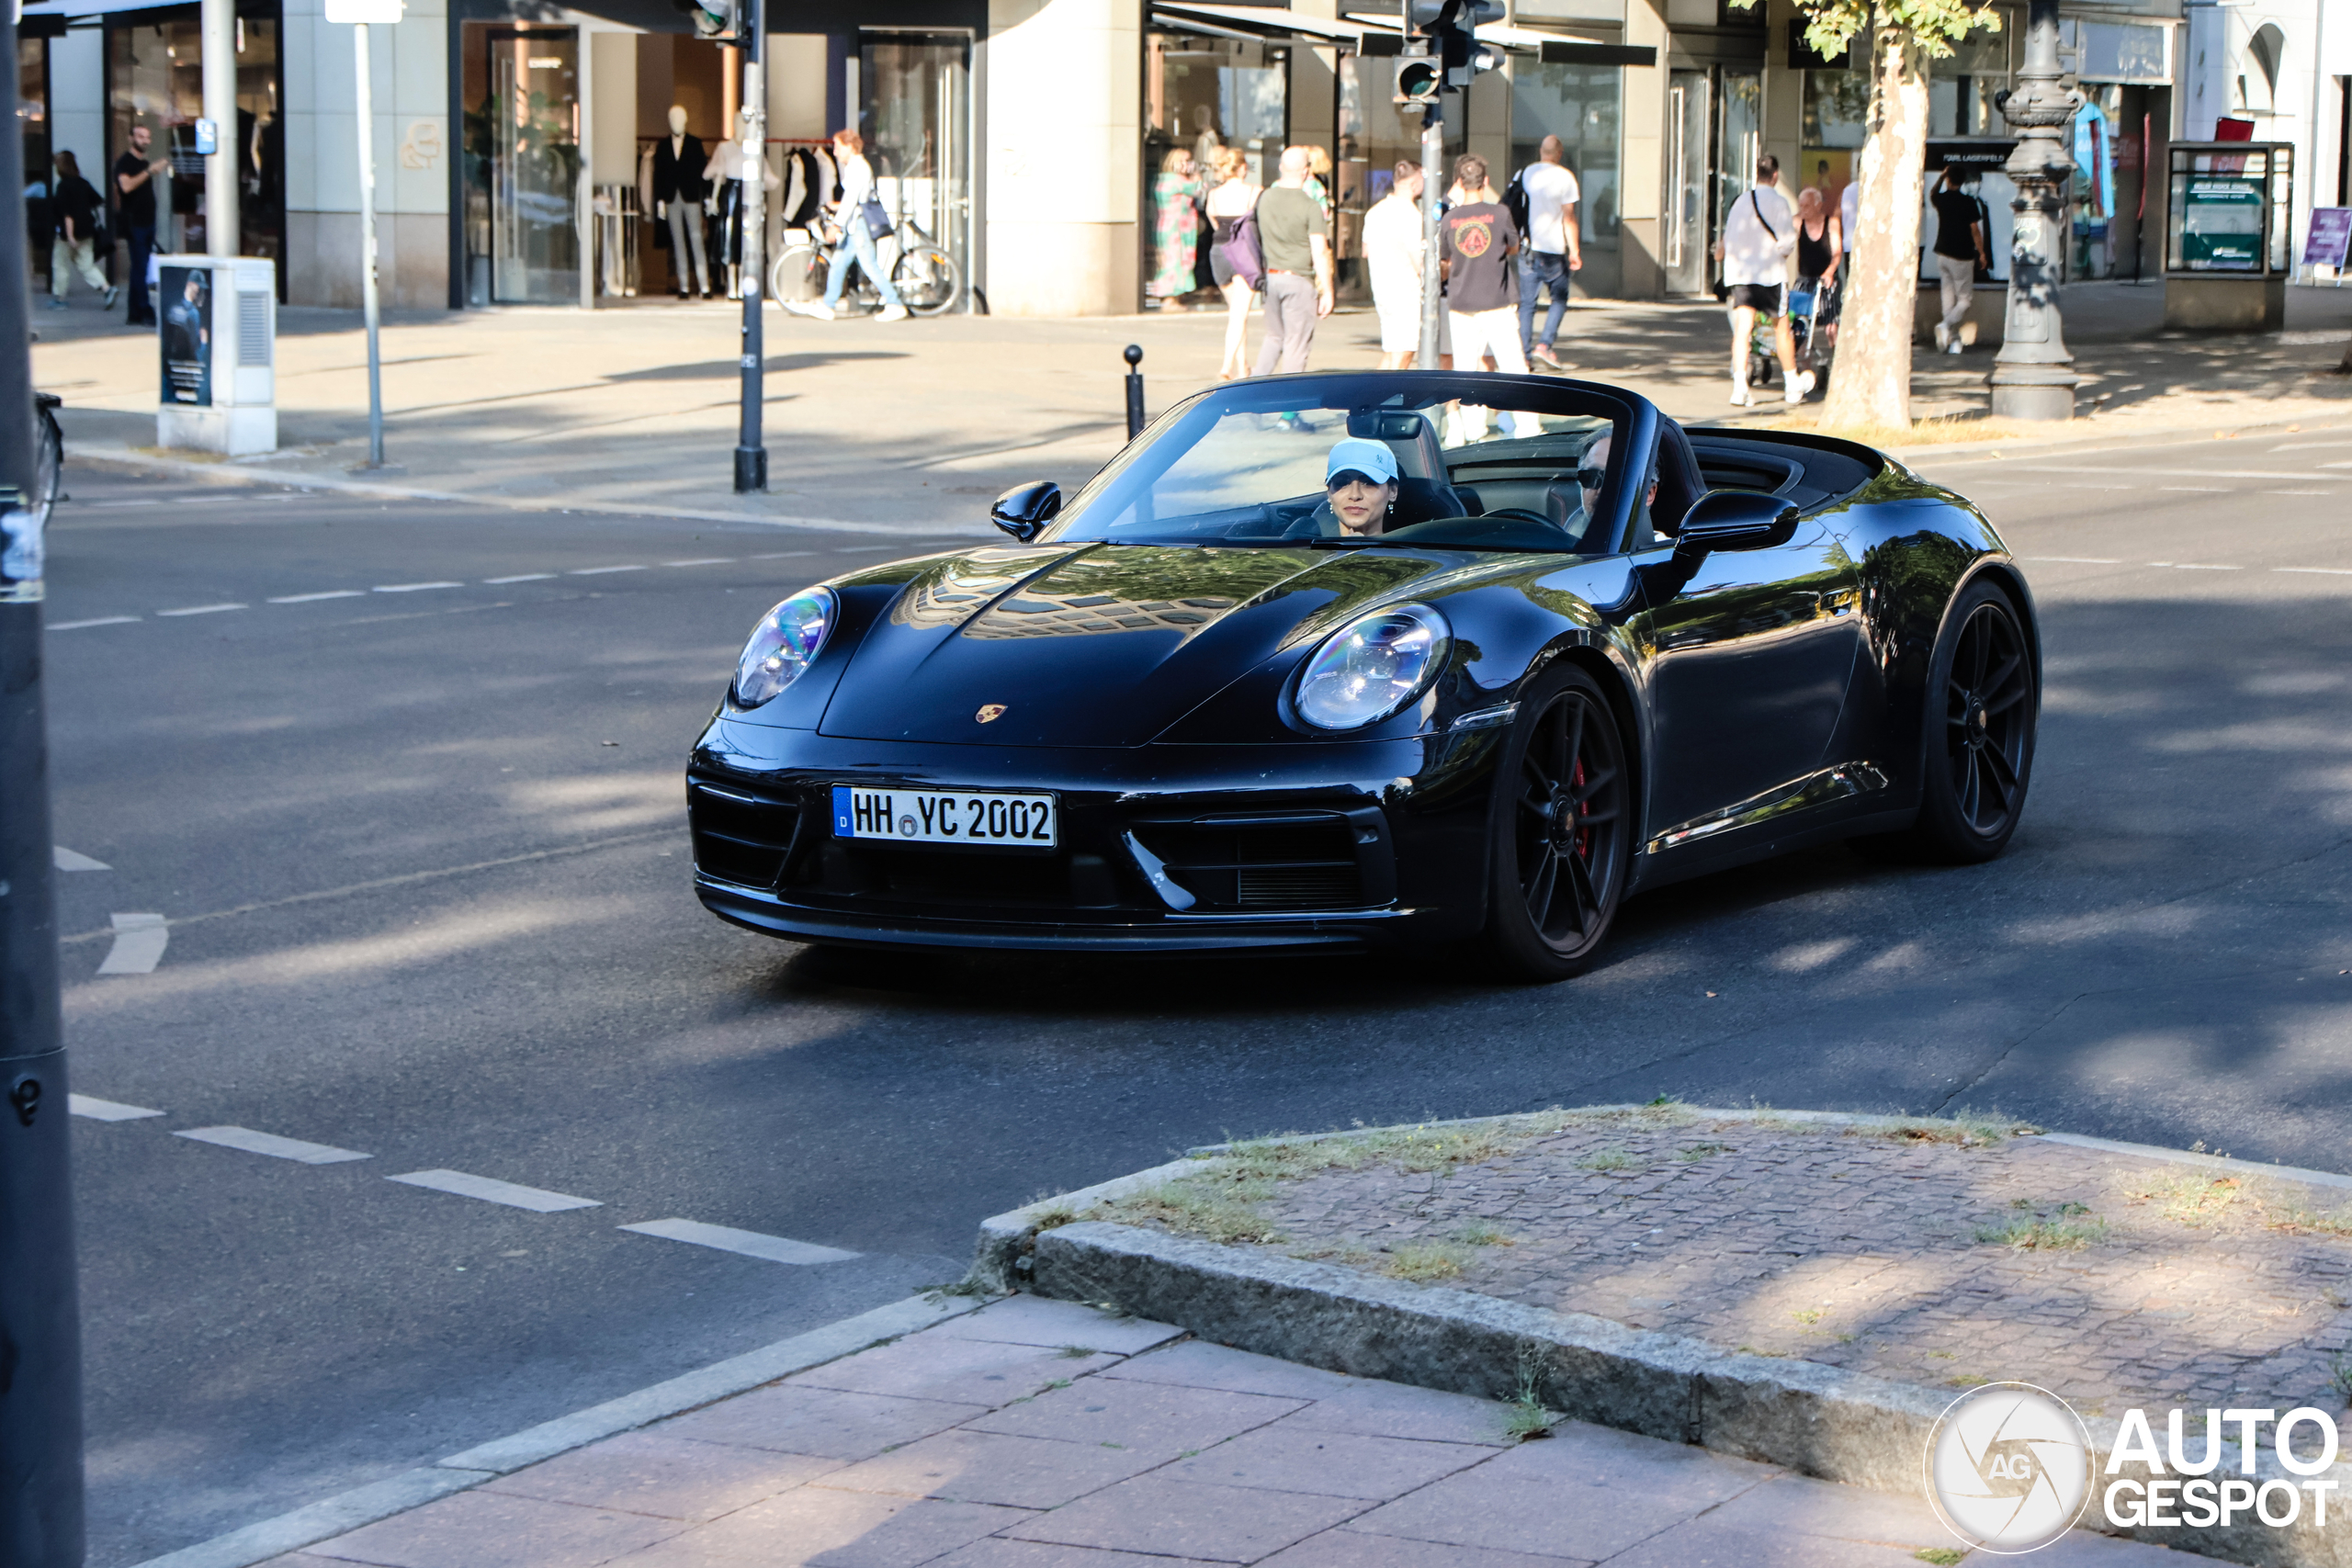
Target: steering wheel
1520, 514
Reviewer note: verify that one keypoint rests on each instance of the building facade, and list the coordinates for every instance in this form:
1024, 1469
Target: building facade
1033, 138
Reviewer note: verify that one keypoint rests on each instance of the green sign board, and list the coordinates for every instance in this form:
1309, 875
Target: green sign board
2222, 224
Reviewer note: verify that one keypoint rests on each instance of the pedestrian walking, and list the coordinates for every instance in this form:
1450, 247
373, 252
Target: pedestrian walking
75, 202
1230, 200
1554, 249
856, 177
1175, 230
1296, 240
1477, 241
1396, 257
1319, 178
1960, 251
134, 195
1759, 232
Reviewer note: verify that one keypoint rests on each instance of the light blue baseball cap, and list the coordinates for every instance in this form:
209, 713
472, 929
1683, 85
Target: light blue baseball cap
1367, 457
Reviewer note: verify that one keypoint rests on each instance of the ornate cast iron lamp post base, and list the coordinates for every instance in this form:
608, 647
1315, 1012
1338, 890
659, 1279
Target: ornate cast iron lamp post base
2033, 375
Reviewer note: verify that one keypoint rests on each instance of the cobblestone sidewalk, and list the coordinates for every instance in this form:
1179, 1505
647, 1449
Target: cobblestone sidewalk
1939, 1254
1037, 1434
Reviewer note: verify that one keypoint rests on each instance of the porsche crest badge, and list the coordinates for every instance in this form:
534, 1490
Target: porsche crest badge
990, 712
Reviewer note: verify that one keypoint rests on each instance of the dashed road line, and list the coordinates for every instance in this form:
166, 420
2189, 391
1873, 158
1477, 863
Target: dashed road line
99, 621
519, 577
314, 598
705, 560
2322, 570
270, 1144
491, 1190
203, 609
138, 945
599, 571
73, 859
98, 1110
751, 1244
2222, 490
412, 587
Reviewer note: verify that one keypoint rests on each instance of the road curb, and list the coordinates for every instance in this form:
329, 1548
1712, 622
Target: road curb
1841, 1427
349, 1510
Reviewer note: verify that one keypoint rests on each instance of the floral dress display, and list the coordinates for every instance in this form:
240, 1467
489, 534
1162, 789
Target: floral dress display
1175, 234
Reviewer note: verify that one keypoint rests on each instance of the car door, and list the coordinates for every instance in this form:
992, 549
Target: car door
1749, 655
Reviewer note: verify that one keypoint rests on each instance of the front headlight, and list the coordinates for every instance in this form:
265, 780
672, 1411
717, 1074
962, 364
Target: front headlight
784, 644
1372, 667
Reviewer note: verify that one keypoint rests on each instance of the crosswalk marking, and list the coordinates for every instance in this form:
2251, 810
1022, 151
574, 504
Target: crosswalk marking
270, 1144
751, 1244
68, 860
139, 941
492, 1190
98, 1110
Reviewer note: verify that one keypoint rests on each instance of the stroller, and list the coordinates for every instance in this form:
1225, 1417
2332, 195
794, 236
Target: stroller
1813, 324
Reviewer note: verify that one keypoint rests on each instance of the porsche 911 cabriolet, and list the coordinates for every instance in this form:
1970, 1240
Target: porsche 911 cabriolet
1376, 660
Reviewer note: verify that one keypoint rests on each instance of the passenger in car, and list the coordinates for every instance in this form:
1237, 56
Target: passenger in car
1360, 485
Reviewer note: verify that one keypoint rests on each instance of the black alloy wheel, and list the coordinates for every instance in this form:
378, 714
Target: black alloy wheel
1984, 700
1560, 831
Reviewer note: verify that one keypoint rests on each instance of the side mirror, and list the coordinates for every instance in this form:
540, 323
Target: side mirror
1736, 520
1025, 509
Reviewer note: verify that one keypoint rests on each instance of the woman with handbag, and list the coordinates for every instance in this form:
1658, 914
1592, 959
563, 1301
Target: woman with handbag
862, 221
1234, 258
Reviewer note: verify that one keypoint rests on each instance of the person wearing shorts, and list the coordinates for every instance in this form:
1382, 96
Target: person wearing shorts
1477, 242
1394, 255
1759, 234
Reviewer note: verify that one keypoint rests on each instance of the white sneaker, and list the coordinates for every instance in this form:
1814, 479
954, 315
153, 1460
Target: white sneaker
1794, 389
1741, 398
1944, 337
892, 313
1955, 347
818, 312
1806, 381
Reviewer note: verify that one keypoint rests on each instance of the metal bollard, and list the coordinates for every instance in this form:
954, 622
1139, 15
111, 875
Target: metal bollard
1135, 391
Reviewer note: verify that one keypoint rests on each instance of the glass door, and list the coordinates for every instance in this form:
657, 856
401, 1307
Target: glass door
1739, 138
523, 164
917, 117
1687, 233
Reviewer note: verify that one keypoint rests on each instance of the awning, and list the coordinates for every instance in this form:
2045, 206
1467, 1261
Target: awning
74, 8
1272, 23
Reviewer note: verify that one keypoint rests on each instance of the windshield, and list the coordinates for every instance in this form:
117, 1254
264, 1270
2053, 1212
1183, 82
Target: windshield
1359, 460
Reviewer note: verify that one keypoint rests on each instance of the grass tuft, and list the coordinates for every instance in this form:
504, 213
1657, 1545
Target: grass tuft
2194, 1197
1424, 1262
1610, 1159
1942, 1556
2070, 1234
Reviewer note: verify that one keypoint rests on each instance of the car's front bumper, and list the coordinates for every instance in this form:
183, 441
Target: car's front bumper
1161, 849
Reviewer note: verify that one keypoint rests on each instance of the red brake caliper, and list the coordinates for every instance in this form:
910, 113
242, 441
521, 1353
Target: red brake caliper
1584, 835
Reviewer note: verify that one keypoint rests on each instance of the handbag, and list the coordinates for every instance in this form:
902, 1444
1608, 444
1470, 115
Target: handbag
1240, 252
878, 221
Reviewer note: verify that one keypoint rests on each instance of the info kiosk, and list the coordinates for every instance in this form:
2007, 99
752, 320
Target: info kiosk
217, 326
2228, 222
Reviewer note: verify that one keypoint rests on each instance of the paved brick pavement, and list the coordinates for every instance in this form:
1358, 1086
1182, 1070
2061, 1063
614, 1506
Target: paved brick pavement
1035, 1434
2112, 1279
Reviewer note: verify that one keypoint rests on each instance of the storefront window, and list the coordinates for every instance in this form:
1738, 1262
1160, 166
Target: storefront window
155, 78
1578, 104
916, 119
1837, 104
1202, 95
33, 120
522, 142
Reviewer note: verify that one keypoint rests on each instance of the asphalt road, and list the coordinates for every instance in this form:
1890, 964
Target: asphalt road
423, 844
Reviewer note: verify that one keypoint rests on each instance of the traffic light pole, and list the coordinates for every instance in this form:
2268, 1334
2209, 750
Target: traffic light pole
40, 1344
1432, 185
751, 451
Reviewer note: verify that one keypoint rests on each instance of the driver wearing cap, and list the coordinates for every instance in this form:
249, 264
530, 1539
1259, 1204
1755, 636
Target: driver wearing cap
1360, 485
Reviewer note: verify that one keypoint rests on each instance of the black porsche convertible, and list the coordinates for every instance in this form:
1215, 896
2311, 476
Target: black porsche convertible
1375, 659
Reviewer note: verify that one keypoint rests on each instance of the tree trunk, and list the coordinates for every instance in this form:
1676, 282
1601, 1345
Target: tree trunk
1871, 385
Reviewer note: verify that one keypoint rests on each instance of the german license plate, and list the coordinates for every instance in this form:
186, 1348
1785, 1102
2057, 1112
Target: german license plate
935, 816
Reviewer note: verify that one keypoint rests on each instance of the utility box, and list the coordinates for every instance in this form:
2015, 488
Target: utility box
216, 334
2228, 236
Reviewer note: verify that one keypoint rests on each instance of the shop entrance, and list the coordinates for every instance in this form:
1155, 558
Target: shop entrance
155, 78
1714, 133
522, 165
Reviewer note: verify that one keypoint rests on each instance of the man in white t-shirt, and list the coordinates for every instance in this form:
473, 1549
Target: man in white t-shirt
1759, 234
1395, 253
1554, 249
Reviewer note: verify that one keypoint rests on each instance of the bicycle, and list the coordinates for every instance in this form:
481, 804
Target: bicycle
927, 278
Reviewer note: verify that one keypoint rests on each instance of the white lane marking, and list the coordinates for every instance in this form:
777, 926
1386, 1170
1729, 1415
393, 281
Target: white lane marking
98, 1110
599, 571
101, 621
122, 504
138, 945
2323, 571
2310, 445
2217, 490
413, 587
2345, 465
273, 1146
780, 554
314, 598
751, 1244
73, 860
2193, 566
2078, 560
202, 610
490, 1191
704, 560
2301, 493
861, 549
520, 577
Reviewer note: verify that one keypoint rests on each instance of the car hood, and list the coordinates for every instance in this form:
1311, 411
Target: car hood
1092, 645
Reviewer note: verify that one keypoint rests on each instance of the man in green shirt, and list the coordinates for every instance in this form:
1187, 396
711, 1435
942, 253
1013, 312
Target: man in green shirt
1295, 239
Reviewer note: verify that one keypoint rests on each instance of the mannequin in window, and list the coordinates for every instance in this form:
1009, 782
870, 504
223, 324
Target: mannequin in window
681, 194
726, 169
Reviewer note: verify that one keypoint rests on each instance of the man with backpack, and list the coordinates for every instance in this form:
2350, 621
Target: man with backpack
1542, 202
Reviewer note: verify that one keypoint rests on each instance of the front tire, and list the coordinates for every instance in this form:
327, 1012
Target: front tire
1559, 831
1984, 704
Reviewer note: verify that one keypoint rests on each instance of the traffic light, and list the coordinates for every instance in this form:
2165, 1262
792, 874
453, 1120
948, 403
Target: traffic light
1419, 76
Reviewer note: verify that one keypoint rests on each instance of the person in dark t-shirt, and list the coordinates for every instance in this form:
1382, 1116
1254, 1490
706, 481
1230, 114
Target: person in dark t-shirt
134, 195
1959, 249
73, 248
1475, 242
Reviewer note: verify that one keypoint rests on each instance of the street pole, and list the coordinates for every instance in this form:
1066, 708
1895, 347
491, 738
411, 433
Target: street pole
217, 23
363, 101
751, 452
2033, 375
40, 1344
1432, 270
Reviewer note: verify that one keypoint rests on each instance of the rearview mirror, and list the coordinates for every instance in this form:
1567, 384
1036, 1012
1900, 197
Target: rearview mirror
1025, 509
1736, 520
